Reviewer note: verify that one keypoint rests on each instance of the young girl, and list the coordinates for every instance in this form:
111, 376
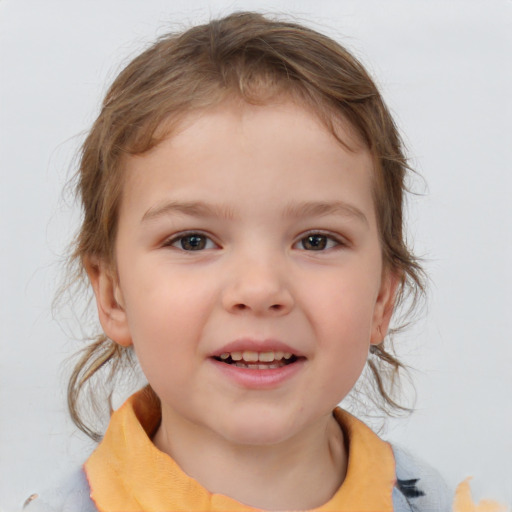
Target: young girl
242, 194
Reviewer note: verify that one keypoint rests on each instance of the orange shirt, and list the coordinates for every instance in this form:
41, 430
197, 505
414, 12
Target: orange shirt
127, 473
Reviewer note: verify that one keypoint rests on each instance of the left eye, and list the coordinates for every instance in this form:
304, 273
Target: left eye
192, 242
317, 242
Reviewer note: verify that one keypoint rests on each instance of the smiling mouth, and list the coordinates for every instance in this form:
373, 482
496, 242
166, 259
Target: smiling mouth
257, 360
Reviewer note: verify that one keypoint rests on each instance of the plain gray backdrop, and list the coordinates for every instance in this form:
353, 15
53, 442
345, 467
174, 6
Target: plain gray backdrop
445, 70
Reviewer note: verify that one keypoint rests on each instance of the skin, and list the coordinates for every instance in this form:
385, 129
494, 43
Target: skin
271, 176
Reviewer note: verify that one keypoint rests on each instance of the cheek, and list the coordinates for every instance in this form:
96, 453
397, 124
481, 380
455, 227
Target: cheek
345, 308
165, 310
343, 320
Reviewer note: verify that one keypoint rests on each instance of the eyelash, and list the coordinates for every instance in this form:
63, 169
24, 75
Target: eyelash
324, 241
180, 238
330, 241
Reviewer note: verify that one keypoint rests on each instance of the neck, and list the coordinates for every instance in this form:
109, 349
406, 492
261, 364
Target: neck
301, 472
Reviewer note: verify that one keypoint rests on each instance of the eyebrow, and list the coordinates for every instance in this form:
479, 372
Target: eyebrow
324, 208
294, 210
191, 208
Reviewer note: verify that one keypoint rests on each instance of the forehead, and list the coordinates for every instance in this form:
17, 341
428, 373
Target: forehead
233, 103
275, 152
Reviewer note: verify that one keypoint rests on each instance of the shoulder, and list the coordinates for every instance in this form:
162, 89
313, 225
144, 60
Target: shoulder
419, 487
72, 495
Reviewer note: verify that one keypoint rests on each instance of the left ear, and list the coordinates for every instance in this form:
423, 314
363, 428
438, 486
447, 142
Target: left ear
384, 306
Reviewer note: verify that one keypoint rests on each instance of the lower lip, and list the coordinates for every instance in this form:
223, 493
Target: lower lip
259, 379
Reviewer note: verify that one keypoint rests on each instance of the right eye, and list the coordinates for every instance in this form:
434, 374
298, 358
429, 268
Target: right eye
191, 242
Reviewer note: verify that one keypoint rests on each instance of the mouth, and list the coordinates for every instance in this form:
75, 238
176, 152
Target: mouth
253, 360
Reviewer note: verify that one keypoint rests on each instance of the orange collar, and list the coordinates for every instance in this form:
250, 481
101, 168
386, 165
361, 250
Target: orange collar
127, 473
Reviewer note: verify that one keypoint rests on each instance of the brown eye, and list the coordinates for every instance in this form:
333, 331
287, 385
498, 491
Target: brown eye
314, 242
192, 242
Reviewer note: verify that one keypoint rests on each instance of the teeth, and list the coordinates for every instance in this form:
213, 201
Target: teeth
266, 357
258, 366
250, 356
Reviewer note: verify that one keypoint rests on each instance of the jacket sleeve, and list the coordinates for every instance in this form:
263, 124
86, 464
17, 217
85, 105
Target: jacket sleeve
419, 487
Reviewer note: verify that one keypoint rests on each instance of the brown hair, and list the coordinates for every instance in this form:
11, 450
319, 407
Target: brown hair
252, 58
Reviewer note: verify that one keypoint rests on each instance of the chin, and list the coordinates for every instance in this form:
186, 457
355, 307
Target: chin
259, 430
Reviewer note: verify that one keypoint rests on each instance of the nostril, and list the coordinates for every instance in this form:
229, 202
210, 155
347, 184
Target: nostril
243, 307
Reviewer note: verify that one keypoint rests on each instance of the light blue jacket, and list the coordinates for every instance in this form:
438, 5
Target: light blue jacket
419, 488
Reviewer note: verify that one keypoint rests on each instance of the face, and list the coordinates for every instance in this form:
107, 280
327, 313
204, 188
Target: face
249, 275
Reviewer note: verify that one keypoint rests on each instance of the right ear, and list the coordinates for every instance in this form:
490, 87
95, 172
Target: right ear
109, 301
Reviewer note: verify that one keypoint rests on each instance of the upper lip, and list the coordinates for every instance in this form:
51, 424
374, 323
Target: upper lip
249, 344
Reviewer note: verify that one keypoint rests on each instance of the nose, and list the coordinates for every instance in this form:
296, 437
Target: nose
259, 287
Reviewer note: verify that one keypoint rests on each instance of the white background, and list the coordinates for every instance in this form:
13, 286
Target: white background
446, 72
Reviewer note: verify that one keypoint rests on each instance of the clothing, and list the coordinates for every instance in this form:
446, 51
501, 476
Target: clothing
128, 473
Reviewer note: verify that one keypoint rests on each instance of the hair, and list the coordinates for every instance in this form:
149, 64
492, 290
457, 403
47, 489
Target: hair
254, 59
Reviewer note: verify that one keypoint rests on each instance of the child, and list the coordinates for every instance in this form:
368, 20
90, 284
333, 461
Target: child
242, 193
